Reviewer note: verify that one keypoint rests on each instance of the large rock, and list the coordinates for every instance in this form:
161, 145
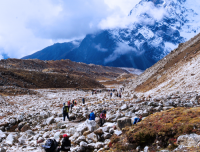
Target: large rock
124, 107
25, 128
93, 137
74, 137
123, 122
80, 139
99, 131
188, 140
11, 138
2, 149
50, 120
2, 134
82, 128
91, 125
83, 144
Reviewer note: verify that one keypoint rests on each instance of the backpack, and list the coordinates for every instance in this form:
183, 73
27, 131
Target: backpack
66, 109
50, 145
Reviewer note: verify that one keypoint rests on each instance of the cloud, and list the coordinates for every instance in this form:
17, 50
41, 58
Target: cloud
123, 21
99, 48
121, 49
28, 26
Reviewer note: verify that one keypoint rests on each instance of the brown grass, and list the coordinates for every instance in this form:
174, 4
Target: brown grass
164, 127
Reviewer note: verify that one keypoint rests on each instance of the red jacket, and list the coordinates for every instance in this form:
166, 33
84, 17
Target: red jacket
102, 116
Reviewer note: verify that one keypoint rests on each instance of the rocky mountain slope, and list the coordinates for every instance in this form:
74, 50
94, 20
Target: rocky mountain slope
178, 71
147, 39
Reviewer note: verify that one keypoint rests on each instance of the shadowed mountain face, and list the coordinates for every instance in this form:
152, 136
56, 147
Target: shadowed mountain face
139, 45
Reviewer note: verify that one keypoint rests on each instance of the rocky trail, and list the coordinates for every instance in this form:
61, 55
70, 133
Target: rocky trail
27, 121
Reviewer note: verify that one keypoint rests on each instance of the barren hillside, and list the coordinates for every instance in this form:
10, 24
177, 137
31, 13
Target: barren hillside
178, 71
63, 66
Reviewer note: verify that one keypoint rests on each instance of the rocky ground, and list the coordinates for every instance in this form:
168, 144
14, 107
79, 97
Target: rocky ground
27, 121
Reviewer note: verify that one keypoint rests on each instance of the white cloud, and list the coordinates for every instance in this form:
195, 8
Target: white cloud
121, 49
99, 48
30, 25
122, 20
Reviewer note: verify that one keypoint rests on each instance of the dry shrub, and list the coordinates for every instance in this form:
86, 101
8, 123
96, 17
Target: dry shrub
164, 127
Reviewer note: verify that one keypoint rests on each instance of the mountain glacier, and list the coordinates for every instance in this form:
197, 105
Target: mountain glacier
156, 28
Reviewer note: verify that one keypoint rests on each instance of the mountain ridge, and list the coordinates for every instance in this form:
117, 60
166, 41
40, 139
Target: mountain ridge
143, 42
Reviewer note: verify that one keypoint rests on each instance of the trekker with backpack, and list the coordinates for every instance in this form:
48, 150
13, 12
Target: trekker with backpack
66, 144
136, 120
50, 145
92, 116
65, 112
102, 118
83, 100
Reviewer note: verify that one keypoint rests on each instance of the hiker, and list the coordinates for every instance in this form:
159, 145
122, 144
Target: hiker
75, 102
111, 94
50, 145
92, 92
92, 116
66, 144
68, 103
83, 100
120, 95
136, 120
72, 105
102, 118
65, 112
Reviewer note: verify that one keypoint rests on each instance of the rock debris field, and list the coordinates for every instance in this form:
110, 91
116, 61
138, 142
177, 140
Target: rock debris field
27, 121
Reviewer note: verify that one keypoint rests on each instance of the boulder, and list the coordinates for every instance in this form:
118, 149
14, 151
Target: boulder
82, 128
86, 133
91, 125
111, 130
99, 145
124, 107
2, 149
10, 139
93, 137
123, 122
188, 140
25, 128
83, 144
50, 120
74, 137
2, 134
99, 131
80, 139
22, 140
118, 132
107, 135
167, 108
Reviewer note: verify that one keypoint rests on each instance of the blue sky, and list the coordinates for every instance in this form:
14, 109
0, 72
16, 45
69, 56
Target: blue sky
27, 26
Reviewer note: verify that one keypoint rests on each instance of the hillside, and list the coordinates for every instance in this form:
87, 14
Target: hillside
17, 73
178, 71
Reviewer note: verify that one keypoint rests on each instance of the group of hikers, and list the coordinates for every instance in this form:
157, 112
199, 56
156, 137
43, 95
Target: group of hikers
52, 146
67, 107
102, 117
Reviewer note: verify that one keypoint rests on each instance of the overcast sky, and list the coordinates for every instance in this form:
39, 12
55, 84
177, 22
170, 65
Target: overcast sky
27, 26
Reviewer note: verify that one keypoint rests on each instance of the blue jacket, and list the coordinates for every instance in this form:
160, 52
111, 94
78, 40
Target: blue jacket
136, 120
92, 116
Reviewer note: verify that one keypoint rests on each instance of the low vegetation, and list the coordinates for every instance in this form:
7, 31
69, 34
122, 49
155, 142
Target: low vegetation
159, 129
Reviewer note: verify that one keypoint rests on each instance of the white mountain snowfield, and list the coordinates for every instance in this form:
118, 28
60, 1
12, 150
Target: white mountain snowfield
178, 15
